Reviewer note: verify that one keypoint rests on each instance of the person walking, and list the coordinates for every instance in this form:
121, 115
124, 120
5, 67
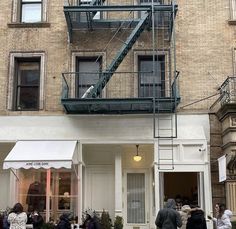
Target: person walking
168, 217
197, 219
17, 217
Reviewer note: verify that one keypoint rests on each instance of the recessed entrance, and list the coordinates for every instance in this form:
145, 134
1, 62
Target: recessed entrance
182, 186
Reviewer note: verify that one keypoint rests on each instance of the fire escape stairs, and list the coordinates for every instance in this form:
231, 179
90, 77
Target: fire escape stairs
128, 44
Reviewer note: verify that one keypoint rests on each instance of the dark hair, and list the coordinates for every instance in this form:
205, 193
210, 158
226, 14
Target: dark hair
222, 208
18, 208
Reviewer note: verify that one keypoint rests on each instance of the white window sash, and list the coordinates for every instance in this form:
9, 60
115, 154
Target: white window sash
232, 9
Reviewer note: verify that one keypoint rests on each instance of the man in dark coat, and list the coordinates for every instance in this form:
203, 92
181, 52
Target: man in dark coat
168, 217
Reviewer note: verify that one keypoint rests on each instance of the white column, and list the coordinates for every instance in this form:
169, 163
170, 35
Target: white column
207, 195
80, 194
48, 195
118, 184
80, 182
156, 178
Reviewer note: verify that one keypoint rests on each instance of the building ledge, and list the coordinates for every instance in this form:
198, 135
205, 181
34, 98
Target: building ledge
232, 22
226, 110
29, 25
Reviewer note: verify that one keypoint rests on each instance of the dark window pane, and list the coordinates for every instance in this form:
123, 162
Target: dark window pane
88, 74
27, 98
29, 77
147, 80
27, 84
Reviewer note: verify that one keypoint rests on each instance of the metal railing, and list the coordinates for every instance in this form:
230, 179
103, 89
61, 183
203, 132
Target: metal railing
228, 91
122, 85
80, 2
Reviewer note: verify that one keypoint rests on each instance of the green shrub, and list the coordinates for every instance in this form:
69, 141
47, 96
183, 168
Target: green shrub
105, 220
233, 224
118, 223
48, 226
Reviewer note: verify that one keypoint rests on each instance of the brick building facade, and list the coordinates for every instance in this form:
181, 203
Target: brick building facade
199, 44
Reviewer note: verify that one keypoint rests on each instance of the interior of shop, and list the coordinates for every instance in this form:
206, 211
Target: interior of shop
183, 187
62, 196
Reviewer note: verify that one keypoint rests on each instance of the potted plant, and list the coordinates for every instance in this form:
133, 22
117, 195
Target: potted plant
105, 220
118, 223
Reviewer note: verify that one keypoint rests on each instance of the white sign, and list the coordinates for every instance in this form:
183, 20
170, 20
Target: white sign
222, 168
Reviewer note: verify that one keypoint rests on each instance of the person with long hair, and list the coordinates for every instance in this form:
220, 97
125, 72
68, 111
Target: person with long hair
222, 220
17, 217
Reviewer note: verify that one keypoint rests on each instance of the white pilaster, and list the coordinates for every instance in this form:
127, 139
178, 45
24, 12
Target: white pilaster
118, 184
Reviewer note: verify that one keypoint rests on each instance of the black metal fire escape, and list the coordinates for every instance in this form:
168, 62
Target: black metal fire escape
92, 103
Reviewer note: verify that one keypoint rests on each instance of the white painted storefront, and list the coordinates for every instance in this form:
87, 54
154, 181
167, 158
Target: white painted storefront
106, 177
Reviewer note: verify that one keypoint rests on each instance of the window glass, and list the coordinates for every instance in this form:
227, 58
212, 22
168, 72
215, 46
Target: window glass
159, 16
88, 74
32, 189
63, 191
31, 12
151, 84
27, 85
31, 0
136, 198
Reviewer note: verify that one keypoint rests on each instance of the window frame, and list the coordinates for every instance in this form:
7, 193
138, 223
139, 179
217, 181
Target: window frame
158, 16
18, 85
31, 2
17, 11
162, 77
232, 10
14, 57
86, 59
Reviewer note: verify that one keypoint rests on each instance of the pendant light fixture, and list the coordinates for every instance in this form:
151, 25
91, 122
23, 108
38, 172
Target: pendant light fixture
137, 157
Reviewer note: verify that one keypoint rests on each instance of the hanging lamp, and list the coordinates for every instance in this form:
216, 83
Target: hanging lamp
137, 157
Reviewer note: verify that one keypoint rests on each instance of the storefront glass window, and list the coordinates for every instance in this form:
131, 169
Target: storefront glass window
63, 191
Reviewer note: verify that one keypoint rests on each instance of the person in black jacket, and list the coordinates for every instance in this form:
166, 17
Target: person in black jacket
36, 219
64, 222
168, 217
197, 219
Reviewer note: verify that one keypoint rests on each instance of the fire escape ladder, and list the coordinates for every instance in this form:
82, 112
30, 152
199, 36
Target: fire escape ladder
165, 129
128, 44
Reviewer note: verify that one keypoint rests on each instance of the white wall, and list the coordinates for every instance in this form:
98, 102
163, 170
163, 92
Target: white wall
123, 128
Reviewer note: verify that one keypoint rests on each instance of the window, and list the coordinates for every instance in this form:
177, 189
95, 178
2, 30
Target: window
152, 84
32, 191
26, 81
159, 16
27, 84
31, 11
88, 74
136, 198
85, 16
232, 10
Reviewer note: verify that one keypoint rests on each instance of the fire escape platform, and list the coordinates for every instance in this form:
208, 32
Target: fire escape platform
120, 106
72, 15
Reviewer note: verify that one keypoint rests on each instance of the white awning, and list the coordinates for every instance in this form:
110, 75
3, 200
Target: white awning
42, 154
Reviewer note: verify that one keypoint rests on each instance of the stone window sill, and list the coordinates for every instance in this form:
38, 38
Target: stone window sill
232, 22
29, 25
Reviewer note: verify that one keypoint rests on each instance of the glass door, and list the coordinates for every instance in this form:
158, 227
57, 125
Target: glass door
136, 204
